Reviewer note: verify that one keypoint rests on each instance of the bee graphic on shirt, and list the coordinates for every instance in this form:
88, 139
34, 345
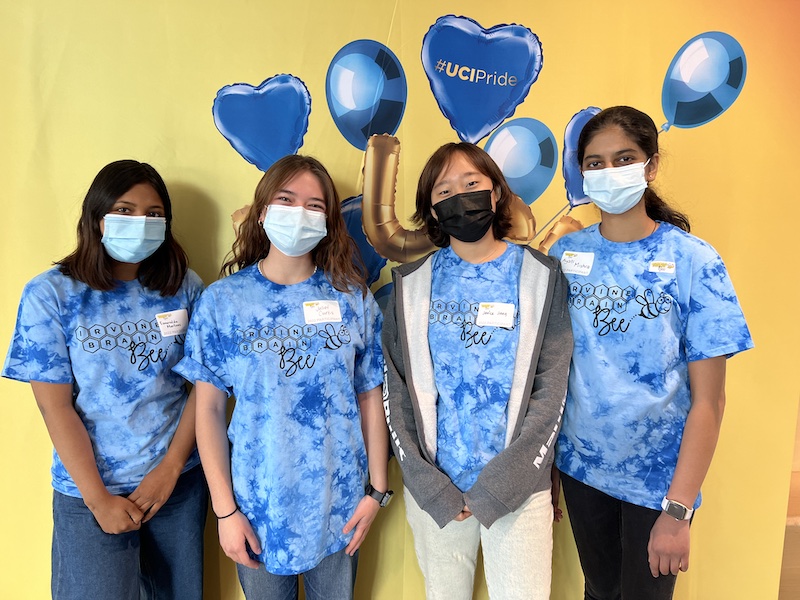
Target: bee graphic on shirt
335, 339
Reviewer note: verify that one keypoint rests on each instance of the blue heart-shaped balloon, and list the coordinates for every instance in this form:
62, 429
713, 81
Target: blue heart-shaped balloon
479, 76
264, 123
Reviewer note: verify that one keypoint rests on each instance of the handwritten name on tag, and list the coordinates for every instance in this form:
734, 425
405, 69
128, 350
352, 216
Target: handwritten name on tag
322, 311
577, 263
175, 322
495, 314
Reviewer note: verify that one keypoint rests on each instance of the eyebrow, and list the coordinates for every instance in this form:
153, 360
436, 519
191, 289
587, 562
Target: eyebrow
129, 203
291, 193
617, 153
447, 181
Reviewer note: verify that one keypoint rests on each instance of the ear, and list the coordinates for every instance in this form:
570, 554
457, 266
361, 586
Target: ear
262, 216
651, 170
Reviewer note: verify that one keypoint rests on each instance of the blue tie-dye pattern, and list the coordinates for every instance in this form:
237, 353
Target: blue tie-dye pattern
129, 414
628, 389
473, 366
298, 460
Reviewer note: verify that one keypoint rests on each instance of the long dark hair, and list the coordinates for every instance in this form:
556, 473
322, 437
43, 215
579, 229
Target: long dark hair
163, 271
641, 129
501, 225
335, 254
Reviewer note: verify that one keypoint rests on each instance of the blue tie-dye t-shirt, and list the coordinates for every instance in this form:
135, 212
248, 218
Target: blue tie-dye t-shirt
110, 346
473, 333
641, 311
295, 357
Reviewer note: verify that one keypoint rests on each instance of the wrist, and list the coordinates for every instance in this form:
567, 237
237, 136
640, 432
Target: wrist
677, 510
95, 498
382, 498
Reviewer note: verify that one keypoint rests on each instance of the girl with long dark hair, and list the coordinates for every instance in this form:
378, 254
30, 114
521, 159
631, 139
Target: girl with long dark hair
97, 337
654, 318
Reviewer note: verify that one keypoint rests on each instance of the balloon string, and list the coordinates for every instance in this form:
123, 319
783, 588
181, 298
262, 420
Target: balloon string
551, 220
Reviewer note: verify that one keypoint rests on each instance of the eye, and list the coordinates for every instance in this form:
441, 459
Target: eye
120, 210
282, 200
471, 184
594, 164
155, 213
317, 206
625, 160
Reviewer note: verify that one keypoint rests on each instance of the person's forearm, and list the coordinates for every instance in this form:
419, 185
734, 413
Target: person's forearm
183, 442
212, 443
70, 439
376, 437
701, 432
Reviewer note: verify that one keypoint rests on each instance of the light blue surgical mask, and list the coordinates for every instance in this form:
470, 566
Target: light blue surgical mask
294, 230
132, 239
616, 190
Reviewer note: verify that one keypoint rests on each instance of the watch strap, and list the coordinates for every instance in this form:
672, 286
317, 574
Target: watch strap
382, 498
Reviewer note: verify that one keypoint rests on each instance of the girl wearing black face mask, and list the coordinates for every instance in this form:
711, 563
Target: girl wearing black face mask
477, 342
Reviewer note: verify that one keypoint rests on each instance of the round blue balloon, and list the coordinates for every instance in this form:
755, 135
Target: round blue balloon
703, 80
573, 179
366, 89
527, 154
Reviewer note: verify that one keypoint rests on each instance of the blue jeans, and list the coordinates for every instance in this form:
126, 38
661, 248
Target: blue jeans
334, 579
163, 559
612, 536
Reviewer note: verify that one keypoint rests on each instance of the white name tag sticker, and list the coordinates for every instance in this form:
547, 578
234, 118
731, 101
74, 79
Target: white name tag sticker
322, 311
662, 266
577, 263
495, 314
173, 323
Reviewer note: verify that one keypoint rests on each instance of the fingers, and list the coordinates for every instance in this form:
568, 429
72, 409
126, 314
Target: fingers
355, 543
151, 511
136, 514
351, 523
252, 540
665, 563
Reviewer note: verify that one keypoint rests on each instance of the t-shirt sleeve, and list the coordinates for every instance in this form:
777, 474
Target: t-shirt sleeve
203, 353
369, 362
194, 289
715, 325
38, 350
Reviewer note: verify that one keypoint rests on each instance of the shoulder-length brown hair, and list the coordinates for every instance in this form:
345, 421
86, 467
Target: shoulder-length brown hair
162, 271
501, 225
335, 254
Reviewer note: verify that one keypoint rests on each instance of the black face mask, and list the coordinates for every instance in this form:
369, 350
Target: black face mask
466, 217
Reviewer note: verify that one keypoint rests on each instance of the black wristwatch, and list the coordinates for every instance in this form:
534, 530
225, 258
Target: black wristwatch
383, 499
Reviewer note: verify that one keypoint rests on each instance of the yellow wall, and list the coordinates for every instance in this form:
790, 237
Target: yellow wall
84, 83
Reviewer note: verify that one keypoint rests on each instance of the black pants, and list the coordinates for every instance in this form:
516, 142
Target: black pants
612, 536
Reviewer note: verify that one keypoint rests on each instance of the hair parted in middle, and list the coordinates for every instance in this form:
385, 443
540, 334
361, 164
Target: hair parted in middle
641, 130
501, 225
163, 271
336, 254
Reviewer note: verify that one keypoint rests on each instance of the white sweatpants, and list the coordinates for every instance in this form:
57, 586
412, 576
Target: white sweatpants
517, 552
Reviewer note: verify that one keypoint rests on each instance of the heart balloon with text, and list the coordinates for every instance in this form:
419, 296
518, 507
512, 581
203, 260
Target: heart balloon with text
479, 76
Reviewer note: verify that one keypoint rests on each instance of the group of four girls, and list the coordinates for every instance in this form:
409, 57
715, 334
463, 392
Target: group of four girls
476, 354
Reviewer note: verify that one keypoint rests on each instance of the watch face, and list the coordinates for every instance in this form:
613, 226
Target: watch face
676, 511
387, 497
